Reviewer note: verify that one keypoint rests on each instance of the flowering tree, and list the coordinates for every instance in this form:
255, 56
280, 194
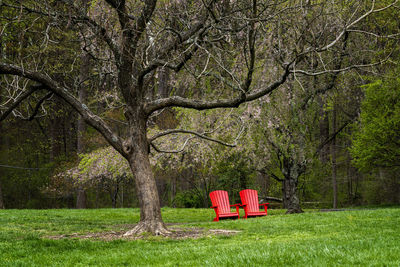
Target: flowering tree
102, 167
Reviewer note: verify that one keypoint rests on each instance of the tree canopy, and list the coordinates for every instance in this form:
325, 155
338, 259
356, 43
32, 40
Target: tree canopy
377, 142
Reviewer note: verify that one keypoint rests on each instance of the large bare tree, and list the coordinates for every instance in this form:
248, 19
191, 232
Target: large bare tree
216, 50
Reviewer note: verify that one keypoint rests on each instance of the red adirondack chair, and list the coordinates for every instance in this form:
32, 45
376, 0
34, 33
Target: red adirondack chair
250, 203
221, 206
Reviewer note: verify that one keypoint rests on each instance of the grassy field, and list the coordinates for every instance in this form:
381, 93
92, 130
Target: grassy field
345, 238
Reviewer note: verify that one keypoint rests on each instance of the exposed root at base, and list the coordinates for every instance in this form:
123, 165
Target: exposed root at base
157, 228
175, 233
293, 211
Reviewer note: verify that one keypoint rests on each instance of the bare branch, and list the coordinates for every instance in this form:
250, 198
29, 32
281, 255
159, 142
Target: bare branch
80, 18
347, 27
147, 11
266, 172
19, 99
38, 105
198, 27
89, 117
252, 50
173, 131
172, 151
177, 101
330, 138
389, 36
342, 69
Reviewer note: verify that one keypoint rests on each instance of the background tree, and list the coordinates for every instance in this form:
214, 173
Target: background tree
104, 168
377, 143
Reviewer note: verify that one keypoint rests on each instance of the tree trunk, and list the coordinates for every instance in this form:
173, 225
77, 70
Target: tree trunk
114, 194
149, 202
333, 154
2, 206
56, 124
323, 131
81, 200
291, 201
291, 171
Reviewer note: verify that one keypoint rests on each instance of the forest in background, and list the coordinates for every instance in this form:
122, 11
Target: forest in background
340, 130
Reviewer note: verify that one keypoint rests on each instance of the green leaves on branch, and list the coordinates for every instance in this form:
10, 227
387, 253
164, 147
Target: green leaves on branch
103, 163
377, 143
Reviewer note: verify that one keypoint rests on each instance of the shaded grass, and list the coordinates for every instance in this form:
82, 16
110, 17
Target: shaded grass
347, 238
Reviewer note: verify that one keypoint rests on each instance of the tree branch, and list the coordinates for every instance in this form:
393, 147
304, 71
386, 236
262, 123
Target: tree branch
89, 117
369, 12
173, 131
147, 11
19, 99
38, 105
342, 69
330, 138
79, 18
265, 172
167, 48
331, 84
171, 151
177, 101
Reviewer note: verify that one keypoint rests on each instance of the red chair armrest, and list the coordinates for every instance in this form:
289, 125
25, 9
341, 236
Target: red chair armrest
213, 207
234, 205
265, 207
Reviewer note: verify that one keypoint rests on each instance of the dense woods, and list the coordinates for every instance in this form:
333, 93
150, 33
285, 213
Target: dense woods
118, 103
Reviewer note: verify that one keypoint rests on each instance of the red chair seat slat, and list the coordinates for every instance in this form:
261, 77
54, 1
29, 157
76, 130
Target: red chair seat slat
250, 203
221, 206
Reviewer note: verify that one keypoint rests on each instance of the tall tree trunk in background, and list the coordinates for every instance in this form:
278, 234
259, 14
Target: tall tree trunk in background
333, 155
291, 201
82, 94
1, 146
291, 172
323, 130
56, 124
2, 206
163, 82
349, 175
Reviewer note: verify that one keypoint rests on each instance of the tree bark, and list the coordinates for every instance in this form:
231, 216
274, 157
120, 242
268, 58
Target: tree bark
323, 131
150, 210
2, 206
333, 154
291, 201
149, 202
81, 201
291, 171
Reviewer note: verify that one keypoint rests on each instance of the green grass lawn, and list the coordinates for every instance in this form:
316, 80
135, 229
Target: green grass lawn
346, 238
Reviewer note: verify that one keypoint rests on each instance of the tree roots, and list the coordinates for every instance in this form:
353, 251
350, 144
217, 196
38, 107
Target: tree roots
153, 227
294, 210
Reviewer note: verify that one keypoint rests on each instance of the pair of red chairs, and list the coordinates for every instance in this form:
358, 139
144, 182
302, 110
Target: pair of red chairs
249, 198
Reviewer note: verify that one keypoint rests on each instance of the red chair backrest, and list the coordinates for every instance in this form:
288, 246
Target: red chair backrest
249, 197
220, 199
